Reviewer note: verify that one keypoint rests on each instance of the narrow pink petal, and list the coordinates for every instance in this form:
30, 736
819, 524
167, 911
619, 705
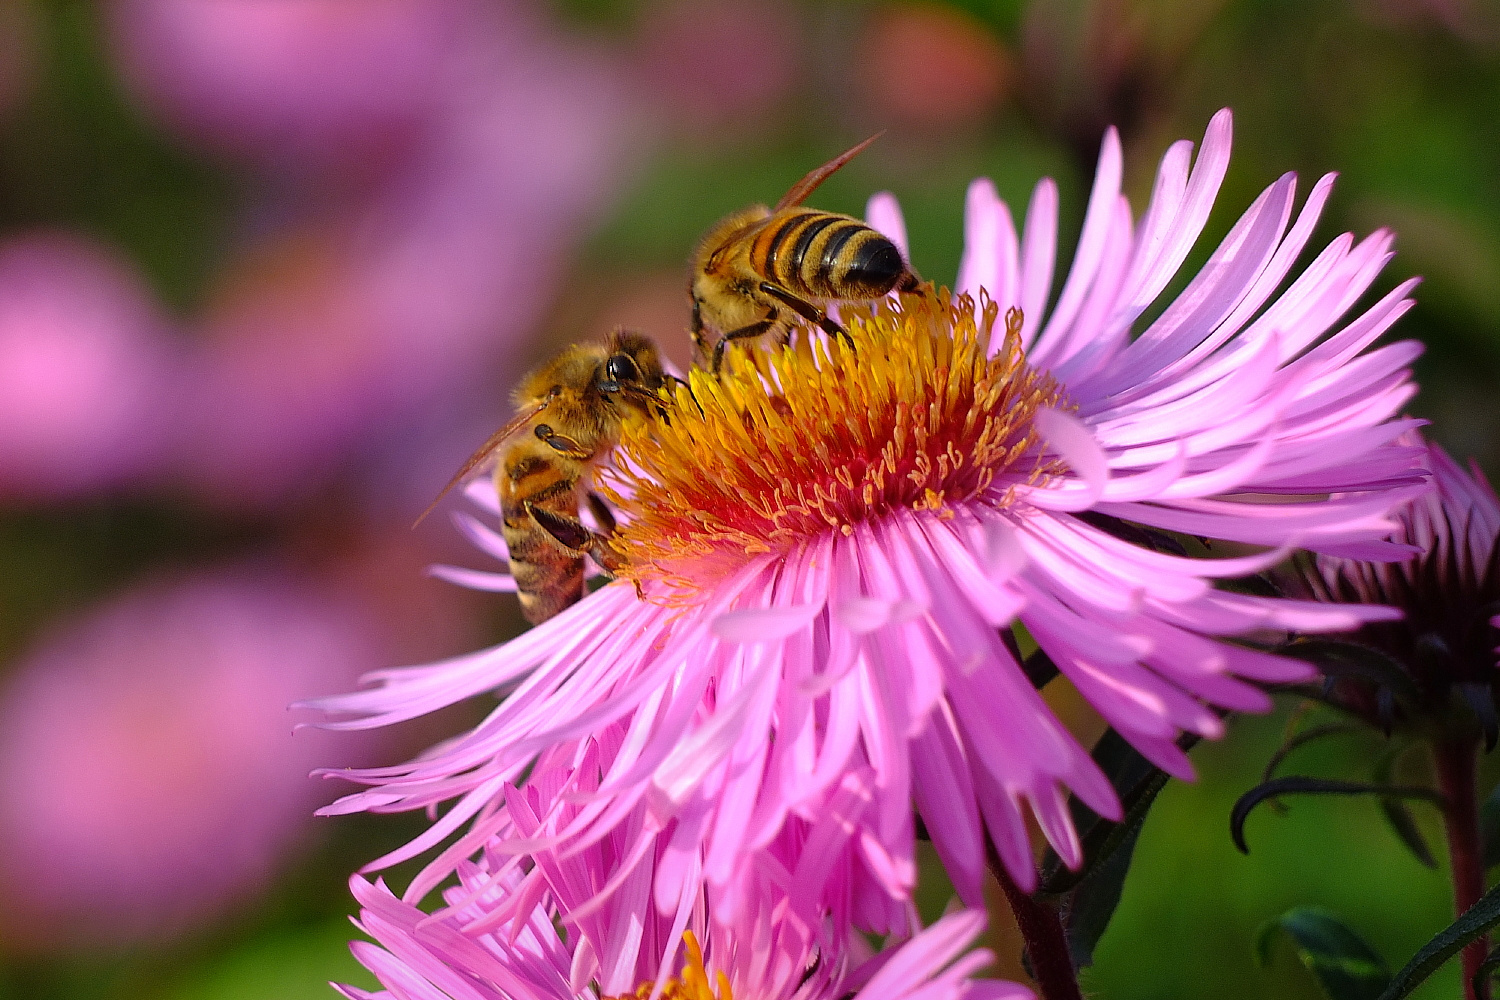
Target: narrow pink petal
980, 265
1095, 343
944, 793
922, 956
752, 625
502, 583
1165, 754
484, 538
863, 615
482, 492
1161, 212
682, 771
1038, 258
1050, 807
1196, 202
883, 214
1074, 441
1090, 251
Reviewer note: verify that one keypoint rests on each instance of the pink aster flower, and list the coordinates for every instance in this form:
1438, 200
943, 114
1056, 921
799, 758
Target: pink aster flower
1449, 640
333, 335
833, 541
498, 936
840, 861
1433, 674
441, 957
317, 80
86, 365
152, 776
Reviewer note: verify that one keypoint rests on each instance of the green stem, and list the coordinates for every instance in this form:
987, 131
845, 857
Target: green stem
1455, 765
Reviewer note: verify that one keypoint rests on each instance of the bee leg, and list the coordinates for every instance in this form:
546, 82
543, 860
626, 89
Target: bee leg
605, 556
559, 443
753, 330
573, 535
602, 514
569, 532
695, 330
808, 311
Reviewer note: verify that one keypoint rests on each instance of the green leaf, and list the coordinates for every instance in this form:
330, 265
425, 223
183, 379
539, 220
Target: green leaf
1401, 821
1136, 781
1346, 967
1484, 972
1489, 828
1087, 910
1298, 785
1404, 826
1475, 923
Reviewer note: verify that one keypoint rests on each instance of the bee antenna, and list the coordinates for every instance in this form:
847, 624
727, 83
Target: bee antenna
807, 185
485, 451
468, 467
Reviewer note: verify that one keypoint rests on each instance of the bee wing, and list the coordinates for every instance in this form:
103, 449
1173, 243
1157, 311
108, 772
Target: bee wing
807, 185
485, 451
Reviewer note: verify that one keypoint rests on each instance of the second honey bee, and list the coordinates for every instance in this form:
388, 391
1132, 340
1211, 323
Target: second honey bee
760, 268
571, 411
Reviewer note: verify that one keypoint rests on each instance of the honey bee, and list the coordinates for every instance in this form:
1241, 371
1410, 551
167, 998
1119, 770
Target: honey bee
542, 475
759, 266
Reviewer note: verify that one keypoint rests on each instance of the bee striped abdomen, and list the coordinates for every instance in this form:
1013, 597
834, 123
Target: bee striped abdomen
548, 577
826, 255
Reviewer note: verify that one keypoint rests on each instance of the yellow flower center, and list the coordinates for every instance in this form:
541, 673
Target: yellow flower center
693, 984
815, 437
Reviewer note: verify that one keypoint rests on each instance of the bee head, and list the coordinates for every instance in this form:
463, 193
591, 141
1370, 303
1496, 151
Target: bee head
633, 370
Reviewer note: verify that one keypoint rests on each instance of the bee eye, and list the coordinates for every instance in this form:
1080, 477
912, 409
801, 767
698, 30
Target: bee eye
622, 368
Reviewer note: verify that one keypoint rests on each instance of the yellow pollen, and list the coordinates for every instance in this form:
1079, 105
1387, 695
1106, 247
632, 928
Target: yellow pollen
814, 437
693, 984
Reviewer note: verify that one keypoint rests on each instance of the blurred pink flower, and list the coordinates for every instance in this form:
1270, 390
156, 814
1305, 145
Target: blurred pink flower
151, 772
827, 553
338, 327
722, 65
86, 368
315, 81
931, 66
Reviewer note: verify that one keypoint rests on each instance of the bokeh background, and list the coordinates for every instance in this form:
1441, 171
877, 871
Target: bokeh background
268, 269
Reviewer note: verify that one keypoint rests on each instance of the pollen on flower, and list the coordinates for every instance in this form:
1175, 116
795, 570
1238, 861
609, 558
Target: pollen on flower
692, 984
815, 437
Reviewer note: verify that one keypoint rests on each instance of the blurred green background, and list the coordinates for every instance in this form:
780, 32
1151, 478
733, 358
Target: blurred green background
253, 179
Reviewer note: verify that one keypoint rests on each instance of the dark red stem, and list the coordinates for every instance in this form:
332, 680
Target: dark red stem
1455, 763
1046, 941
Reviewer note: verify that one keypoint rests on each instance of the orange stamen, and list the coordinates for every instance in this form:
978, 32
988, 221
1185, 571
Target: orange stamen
814, 437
